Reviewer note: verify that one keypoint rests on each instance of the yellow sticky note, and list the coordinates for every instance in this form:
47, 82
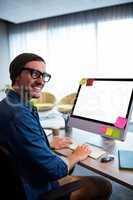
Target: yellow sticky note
109, 131
83, 81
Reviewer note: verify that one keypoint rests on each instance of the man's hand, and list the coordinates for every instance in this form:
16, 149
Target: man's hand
60, 142
80, 153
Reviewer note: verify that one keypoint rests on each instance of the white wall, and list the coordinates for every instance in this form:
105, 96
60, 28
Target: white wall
4, 54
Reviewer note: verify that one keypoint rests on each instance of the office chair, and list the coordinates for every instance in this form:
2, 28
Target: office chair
11, 187
66, 103
45, 102
10, 184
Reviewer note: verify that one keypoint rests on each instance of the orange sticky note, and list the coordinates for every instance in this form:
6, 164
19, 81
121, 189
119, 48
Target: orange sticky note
89, 82
120, 122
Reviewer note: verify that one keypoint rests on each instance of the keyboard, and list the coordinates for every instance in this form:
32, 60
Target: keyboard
96, 151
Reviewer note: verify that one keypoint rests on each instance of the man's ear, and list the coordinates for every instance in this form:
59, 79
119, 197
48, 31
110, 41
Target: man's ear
17, 78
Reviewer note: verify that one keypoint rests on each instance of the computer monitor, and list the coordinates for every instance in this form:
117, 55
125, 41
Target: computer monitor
103, 106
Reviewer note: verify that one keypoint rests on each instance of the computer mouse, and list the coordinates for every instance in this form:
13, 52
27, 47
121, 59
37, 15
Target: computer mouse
107, 158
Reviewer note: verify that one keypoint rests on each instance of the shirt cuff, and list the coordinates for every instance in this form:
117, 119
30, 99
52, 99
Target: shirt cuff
66, 161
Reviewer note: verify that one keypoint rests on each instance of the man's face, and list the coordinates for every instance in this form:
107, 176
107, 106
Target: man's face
29, 85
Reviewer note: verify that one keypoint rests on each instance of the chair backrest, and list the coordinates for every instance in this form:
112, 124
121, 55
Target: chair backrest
66, 103
45, 102
10, 184
68, 99
46, 97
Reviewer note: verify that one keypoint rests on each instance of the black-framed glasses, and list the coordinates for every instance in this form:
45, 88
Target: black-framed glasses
36, 74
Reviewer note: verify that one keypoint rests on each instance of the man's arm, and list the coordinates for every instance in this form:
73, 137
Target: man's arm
80, 153
32, 149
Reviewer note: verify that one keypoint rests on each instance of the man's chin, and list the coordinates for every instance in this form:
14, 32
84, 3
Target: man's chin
36, 95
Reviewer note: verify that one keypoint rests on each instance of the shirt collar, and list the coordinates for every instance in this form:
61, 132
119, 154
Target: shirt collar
15, 99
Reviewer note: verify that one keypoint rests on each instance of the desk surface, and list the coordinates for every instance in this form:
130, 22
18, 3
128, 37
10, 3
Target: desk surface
111, 169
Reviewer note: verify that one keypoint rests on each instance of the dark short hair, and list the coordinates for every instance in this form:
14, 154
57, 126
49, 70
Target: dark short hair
19, 62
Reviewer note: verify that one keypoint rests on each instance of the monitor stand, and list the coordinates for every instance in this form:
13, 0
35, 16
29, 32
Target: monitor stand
108, 142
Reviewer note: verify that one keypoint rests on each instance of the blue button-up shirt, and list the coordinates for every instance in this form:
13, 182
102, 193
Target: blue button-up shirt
21, 132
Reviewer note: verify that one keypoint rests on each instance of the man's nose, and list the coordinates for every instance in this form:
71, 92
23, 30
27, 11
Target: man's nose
40, 80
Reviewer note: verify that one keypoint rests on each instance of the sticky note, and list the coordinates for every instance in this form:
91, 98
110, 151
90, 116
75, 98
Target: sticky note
109, 131
120, 122
116, 134
102, 129
83, 81
89, 82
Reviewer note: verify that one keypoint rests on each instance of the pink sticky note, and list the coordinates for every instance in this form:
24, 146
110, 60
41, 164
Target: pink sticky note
102, 129
120, 122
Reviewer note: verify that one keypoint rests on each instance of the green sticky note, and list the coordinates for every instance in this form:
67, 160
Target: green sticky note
116, 134
109, 131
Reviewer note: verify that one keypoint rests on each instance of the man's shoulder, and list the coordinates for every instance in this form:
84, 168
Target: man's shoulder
6, 113
4, 107
12, 108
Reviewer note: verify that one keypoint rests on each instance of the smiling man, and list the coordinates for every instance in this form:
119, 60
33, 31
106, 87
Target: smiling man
22, 135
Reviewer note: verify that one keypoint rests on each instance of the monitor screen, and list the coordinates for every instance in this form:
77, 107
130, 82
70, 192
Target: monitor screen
103, 106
